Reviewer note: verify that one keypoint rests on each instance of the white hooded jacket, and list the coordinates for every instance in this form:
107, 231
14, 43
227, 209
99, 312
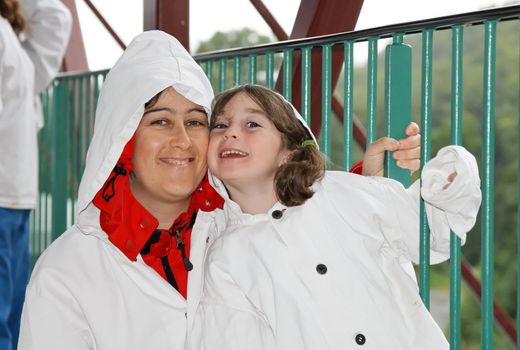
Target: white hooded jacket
84, 292
22, 78
335, 272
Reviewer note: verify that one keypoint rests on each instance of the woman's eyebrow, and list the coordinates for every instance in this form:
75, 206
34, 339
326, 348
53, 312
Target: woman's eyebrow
199, 110
158, 109
172, 111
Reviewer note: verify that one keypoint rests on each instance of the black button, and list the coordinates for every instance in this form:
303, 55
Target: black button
277, 214
360, 339
207, 239
322, 269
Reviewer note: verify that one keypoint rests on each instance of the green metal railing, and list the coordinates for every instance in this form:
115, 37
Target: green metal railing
70, 105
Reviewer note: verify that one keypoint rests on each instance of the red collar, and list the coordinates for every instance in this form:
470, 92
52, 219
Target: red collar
129, 225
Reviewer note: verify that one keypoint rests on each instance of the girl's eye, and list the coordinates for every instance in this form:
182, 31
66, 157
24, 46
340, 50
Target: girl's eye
219, 126
252, 125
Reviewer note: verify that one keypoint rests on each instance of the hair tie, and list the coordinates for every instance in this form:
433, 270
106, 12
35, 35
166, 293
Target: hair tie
308, 143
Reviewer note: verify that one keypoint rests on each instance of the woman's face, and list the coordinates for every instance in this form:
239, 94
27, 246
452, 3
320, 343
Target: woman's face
245, 147
169, 158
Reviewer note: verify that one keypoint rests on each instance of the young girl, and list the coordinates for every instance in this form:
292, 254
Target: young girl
315, 259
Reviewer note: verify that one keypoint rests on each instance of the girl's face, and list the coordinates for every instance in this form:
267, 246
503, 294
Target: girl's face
245, 148
169, 156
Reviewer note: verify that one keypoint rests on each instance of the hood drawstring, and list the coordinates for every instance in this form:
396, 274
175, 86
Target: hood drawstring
161, 251
180, 245
118, 170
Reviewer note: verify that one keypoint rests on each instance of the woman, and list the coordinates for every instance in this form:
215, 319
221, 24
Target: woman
117, 279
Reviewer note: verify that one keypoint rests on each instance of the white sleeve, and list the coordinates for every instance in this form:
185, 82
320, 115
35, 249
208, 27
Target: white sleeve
47, 35
52, 319
226, 319
457, 206
454, 208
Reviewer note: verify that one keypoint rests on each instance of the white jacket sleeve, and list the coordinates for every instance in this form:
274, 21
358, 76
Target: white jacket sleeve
226, 319
47, 36
457, 206
452, 208
52, 319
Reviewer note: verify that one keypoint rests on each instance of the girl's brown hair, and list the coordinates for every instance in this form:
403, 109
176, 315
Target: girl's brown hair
305, 165
10, 10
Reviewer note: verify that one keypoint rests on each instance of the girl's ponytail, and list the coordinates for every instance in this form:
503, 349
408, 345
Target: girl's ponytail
294, 178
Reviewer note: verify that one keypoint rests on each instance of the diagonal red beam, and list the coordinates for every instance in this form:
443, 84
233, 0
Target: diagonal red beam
359, 132
319, 18
107, 25
501, 316
277, 29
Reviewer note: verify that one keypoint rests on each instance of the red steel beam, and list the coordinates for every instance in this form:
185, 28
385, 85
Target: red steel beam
501, 316
169, 16
104, 22
277, 29
320, 17
75, 58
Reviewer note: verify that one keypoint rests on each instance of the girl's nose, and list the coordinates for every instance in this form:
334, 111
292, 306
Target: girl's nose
231, 133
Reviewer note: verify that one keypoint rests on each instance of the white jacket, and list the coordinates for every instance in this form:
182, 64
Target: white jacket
336, 272
84, 292
24, 73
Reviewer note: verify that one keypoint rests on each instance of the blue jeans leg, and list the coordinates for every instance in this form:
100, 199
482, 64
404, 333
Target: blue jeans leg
14, 272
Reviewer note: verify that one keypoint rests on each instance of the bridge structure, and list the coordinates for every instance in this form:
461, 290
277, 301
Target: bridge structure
314, 68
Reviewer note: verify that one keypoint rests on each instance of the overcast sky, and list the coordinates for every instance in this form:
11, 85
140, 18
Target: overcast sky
207, 17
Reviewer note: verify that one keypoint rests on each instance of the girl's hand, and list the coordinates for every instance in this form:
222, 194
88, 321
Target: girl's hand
407, 152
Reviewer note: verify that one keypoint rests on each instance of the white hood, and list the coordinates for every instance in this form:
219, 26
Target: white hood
152, 62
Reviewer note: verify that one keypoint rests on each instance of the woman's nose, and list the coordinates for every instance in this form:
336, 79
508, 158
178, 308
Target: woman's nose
180, 137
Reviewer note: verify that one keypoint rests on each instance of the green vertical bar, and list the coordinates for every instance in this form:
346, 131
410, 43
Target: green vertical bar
237, 63
208, 68
71, 134
287, 74
252, 69
398, 100
48, 143
59, 159
456, 139
306, 84
348, 103
326, 98
518, 236
270, 70
372, 90
488, 147
426, 106
222, 78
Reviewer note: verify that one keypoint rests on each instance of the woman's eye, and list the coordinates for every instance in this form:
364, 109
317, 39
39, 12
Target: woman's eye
195, 123
252, 125
160, 122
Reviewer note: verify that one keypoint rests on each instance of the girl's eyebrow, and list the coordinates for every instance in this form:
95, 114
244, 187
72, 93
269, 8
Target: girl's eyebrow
255, 110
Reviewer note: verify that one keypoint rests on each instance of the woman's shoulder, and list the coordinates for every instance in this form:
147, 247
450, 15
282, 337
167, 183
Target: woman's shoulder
70, 253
